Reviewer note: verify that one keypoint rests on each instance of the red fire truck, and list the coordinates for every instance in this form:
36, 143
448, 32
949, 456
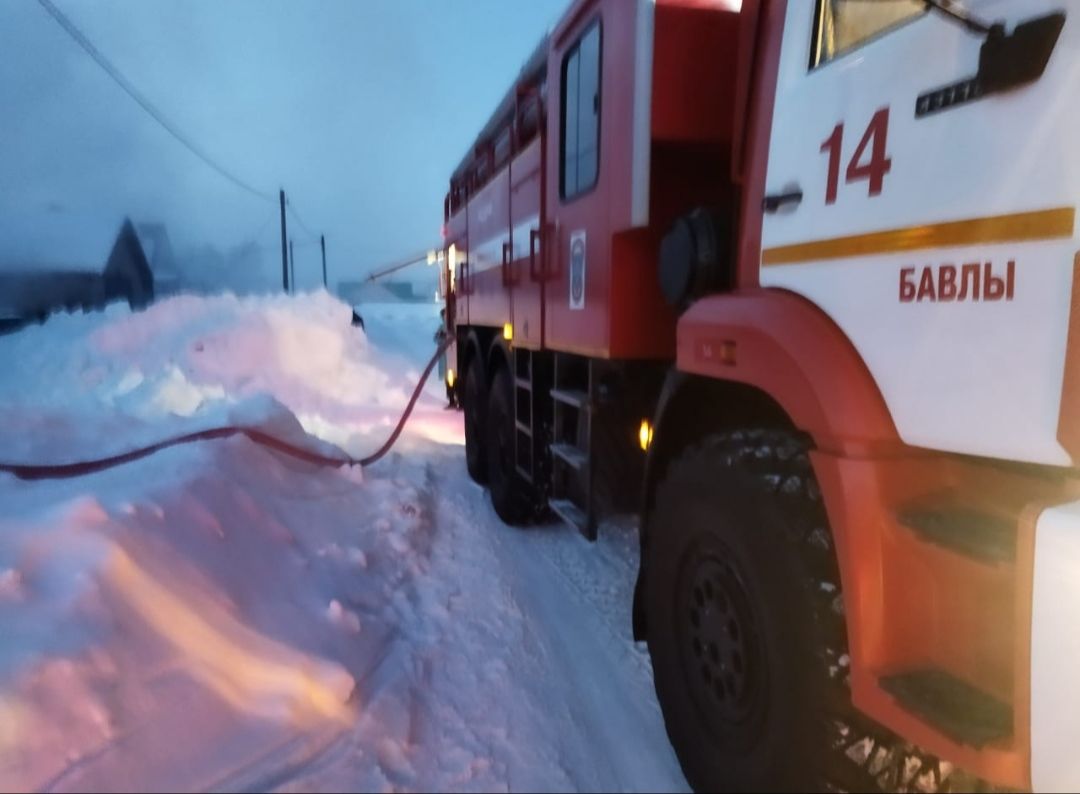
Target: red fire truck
797, 282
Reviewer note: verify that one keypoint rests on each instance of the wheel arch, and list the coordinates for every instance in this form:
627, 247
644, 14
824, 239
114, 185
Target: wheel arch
498, 356
483, 346
468, 350
761, 358
788, 348
689, 408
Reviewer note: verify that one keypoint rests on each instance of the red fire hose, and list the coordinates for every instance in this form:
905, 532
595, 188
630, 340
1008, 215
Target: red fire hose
61, 471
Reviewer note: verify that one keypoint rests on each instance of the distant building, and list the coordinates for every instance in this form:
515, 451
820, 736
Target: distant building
382, 291
31, 295
159, 253
207, 269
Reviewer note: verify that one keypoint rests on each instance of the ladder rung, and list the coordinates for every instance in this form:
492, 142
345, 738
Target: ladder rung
574, 397
524, 428
571, 454
524, 473
523, 383
570, 513
956, 708
982, 536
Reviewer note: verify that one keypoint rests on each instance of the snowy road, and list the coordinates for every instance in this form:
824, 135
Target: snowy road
218, 616
518, 672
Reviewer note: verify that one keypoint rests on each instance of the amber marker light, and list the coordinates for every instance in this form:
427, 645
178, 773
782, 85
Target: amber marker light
645, 434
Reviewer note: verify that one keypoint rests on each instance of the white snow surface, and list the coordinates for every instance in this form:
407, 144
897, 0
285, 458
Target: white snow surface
220, 616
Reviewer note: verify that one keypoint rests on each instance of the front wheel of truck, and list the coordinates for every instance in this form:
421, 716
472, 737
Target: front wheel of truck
746, 629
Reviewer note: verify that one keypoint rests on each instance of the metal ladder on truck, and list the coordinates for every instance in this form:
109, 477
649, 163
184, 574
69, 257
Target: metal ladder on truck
567, 410
562, 386
573, 405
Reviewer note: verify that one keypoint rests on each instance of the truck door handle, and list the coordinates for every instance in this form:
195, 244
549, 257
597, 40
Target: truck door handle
777, 200
507, 278
536, 274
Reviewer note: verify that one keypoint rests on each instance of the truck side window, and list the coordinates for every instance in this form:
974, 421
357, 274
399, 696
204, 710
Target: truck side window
843, 25
580, 145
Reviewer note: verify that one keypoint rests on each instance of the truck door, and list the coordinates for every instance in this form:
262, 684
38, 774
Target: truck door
929, 215
456, 249
526, 223
576, 299
489, 240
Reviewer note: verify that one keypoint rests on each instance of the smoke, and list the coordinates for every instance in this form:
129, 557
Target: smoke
359, 110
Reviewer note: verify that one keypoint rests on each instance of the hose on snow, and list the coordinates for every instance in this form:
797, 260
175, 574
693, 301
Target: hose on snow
59, 471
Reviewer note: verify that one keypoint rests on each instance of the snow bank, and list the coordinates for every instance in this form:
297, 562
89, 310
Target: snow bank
220, 617
91, 384
169, 628
171, 622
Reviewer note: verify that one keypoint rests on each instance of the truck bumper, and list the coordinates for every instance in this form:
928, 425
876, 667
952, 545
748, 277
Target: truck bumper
1055, 651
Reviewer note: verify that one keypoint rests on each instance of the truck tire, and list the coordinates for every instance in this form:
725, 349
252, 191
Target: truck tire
746, 628
475, 415
509, 492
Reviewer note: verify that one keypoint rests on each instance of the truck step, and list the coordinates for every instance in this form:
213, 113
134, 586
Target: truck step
574, 516
573, 397
982, 536
571, 454
959, 710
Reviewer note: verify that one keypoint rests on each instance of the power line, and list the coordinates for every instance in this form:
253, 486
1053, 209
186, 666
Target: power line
266, 223
143, 102
251, 241
299, 220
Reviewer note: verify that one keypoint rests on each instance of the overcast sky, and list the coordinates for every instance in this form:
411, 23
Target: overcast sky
359, 108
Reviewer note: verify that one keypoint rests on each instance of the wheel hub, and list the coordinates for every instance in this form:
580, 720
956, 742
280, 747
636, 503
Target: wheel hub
719, 646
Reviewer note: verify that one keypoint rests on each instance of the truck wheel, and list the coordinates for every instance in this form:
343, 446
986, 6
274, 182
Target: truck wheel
509, 494
475, 414
745, 620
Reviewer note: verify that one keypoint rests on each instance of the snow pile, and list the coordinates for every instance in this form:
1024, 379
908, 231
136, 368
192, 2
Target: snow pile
167, 621
170, 629
87, 384
188, 352
219, 616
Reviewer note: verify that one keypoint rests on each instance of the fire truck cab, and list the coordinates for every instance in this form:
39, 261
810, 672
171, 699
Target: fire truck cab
797, 282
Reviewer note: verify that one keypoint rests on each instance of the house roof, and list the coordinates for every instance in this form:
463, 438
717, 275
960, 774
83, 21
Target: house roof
68, 241
28, 293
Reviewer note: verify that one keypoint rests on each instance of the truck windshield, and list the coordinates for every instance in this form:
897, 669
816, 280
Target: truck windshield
843, 25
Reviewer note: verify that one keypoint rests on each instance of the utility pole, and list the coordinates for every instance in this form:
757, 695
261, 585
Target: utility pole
292, 267
284, 256
322, 245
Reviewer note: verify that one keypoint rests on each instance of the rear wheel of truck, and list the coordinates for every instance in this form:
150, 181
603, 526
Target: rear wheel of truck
746, 628
509, 492
475, 411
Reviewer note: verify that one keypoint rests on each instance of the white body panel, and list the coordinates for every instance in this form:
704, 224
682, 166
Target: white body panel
1055, 651
981, 378
520, 234
488, 254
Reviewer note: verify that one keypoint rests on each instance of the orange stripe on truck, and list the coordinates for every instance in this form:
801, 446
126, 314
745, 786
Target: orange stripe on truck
1019, 227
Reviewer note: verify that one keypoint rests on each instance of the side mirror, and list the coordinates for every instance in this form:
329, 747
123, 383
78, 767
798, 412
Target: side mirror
1006, 61
1011, 60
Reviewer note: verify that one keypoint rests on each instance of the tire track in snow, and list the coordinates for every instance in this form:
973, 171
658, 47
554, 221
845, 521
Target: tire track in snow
414, 732
573, 613
509, 667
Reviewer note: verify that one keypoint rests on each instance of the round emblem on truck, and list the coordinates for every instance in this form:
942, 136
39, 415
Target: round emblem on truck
577, 271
